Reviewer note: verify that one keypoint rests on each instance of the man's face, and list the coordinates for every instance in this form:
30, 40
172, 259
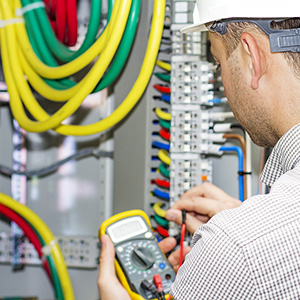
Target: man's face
246, 103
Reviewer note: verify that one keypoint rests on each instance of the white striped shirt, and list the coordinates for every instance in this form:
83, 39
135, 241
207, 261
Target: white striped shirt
253, 251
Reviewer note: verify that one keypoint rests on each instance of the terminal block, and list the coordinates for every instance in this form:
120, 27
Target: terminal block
182, 12
187, 171
189, 129
187, 43
78, 252
191, 139
185, 133
191, 80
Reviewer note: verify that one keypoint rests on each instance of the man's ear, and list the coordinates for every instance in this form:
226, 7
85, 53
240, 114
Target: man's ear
252, 51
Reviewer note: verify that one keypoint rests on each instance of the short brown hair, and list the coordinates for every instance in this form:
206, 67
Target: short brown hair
234, 31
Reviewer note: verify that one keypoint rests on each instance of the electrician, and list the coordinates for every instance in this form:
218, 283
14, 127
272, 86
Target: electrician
248, 251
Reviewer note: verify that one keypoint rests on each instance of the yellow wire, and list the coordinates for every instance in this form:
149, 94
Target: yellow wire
72, 105
42, 88
138, 88
129, 102
163, 115
49, 239
158, 210
163, 156
77, 64
163, 65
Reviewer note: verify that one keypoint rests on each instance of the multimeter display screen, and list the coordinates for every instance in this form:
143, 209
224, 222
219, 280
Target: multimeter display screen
126, 229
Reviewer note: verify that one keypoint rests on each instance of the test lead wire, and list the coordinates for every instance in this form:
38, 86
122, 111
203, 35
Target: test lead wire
182, 237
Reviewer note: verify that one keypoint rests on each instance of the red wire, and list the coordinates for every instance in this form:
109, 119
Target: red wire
61, 18
47, 5
52, 8
162, 231
72, 22
181, 244
53, 25
162, 183
165, 134
162, 89
29, 232
181, 249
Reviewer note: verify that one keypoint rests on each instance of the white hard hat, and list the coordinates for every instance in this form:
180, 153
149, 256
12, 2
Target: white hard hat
208, 11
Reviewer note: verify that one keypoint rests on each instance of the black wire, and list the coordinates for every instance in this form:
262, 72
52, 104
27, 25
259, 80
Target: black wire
146, 285
238, 126
166, 50
166, 42
50, 169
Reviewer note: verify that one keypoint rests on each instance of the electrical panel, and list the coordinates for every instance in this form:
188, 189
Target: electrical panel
182, 120
170, 142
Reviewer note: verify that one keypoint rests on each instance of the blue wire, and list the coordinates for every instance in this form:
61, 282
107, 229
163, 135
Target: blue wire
161, 194
241, 167
157, 238
161, 145
166, 97
216, 100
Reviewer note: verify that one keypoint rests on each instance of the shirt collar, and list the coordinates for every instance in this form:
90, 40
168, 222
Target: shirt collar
284, 157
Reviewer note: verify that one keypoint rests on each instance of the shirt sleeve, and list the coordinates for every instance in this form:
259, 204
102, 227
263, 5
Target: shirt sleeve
215, 268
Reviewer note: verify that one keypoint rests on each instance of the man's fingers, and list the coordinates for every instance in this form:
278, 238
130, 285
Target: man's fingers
201, 218
108, 283
198, 205
174, 257
107, 258
192, 222
202, 206
174, 215
197, 191
207, 190
167, 244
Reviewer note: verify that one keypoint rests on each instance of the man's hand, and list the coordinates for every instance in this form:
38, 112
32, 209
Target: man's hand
108, 283
174, 256
201, 203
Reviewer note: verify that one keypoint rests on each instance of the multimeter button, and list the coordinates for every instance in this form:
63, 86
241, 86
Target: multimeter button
120, 249
148, 235
162, 265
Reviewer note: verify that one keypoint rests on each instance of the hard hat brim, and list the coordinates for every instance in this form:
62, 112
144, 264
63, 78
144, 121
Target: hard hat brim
194, 28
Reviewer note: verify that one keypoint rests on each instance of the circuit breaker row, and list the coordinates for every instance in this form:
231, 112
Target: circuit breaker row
191, 92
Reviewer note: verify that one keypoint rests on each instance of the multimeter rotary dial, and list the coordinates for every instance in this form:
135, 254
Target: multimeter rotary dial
142, 258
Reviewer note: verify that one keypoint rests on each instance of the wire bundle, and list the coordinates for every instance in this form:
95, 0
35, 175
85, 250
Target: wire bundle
161, 191
32, 51
63, 18
159, 218
41, 237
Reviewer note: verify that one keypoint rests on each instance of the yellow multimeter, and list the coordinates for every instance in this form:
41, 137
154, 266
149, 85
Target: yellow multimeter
138, 256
